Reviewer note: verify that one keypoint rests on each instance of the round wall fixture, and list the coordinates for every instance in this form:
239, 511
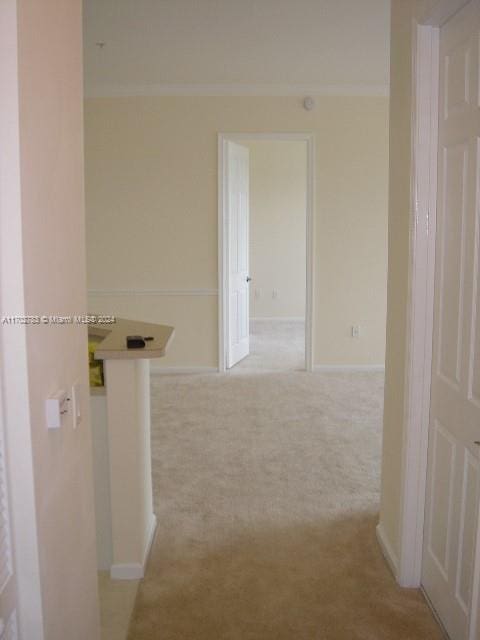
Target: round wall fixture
309, 103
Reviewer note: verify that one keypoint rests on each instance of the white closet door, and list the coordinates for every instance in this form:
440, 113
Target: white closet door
449, 569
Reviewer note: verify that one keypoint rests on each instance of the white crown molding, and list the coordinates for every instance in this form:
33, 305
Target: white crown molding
119, 91
105, 293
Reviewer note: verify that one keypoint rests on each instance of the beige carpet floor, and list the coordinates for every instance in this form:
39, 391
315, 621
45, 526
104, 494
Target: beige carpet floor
274, 346
266, 492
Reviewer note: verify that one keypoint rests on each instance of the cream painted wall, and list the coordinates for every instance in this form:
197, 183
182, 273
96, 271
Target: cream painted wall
46, 275
151, 187
278, 187
404, 15
14, 394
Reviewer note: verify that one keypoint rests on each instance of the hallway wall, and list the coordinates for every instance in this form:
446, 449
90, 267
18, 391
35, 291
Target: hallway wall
278, 183
151, 188
43, 273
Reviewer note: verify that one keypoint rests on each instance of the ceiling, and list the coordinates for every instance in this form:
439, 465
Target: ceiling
150, 45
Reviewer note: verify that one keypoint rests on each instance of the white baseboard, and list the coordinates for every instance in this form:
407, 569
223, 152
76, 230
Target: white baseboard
274, 319
135, 570
434, 612
332, 368
151, 536
156, 369
387, 550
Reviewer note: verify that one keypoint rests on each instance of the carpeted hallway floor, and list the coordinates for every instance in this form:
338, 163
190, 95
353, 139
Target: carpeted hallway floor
266, 492
274, 346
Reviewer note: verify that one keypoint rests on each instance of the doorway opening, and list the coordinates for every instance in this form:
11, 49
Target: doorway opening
266, 197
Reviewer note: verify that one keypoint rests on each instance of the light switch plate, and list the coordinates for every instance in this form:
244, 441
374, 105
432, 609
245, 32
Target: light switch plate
355, 331
56, 407
77, 404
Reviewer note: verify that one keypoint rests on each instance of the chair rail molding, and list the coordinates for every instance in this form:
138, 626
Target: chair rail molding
151, 292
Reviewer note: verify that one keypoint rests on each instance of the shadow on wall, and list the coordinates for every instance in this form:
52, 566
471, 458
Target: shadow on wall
303, 583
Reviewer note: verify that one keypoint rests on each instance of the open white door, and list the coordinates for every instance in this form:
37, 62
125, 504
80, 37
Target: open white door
237, 206
450, 571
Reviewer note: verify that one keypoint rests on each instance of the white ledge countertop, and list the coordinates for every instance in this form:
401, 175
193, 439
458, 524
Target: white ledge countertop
114, 339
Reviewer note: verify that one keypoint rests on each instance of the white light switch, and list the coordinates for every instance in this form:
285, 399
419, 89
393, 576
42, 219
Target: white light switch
76, 404
55, 408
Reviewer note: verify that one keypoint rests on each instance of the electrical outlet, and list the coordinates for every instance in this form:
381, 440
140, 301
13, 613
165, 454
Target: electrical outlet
274, 294
355, 331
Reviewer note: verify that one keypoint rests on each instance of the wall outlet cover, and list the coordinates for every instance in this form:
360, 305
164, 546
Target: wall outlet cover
355, 331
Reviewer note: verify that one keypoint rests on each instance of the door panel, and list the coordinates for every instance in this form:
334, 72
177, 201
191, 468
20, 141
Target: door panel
443, 464
474, 369
467, 530
454, 170
237, 190
453, 458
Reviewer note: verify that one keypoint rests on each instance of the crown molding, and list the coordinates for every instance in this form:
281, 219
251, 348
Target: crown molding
123, 91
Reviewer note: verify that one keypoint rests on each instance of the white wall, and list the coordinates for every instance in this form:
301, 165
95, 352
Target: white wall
278, 183
43, 273
151, 185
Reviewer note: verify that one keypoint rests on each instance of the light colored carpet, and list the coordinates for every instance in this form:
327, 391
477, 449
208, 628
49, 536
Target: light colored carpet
274, 346
266, 492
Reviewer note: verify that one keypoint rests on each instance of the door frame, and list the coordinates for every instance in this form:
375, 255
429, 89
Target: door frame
16, 395
425, 72
223, 139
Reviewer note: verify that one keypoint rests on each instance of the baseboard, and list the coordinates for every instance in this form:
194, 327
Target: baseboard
135, 570
332, 368
387, 550
156, 369
151, 536
434, 613
273, 319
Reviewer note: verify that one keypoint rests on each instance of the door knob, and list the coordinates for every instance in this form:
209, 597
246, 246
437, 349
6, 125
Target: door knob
248, 279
